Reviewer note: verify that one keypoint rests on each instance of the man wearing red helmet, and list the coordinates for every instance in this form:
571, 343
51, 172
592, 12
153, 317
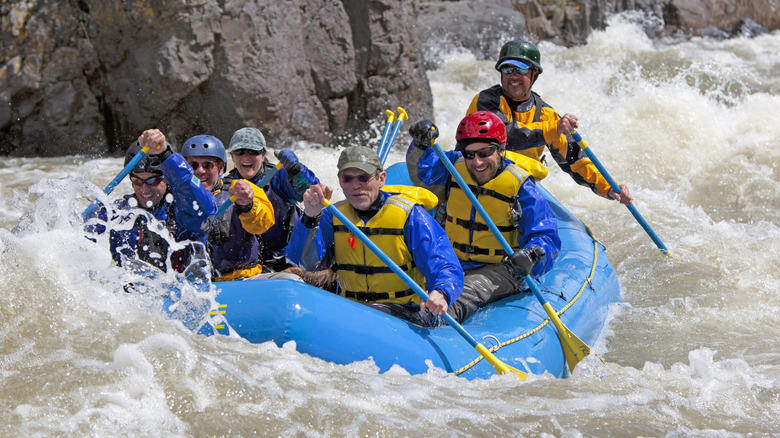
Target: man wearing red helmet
509, 196
532, 124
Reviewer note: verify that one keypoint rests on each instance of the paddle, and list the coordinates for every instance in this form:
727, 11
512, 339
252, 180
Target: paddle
386, 132
232, 199
576, 349
386, 150
576, 136
110, 187
500, 367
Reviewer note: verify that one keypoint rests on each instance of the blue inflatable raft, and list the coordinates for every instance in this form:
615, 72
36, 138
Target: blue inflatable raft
517, 330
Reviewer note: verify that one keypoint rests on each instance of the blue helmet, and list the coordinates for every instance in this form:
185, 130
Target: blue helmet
204, 146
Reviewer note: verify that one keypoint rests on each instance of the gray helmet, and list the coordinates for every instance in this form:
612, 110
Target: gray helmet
520, 50
149, 163
204, 146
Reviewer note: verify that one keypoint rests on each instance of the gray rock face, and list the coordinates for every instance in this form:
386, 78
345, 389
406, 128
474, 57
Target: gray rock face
88, 76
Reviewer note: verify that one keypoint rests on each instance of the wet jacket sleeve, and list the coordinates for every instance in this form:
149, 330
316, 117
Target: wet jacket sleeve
261, 217
433, 254
426, 170
312, 248
193, 204
538, 226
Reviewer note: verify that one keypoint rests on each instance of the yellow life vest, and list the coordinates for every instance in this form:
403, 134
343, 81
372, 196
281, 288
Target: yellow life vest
362, 275
532, 167
468, 232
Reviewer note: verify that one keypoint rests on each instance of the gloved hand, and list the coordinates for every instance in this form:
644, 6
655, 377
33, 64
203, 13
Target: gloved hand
522, 261
424, 133
289, 160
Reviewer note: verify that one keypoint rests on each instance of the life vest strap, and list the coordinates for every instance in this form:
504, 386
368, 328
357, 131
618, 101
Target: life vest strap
481, 191
371, 231
370, 270
468, 249
377, 296
476, 226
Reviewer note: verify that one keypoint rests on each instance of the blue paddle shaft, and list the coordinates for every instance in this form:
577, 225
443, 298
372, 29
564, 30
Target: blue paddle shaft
115, 182
481, 210
397, 269
616, 188
390, 141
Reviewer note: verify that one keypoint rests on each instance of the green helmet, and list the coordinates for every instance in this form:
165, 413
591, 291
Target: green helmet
522, 51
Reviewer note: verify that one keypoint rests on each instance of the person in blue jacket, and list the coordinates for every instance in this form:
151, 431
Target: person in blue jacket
167, 202
398, 223
508, 194
248, 151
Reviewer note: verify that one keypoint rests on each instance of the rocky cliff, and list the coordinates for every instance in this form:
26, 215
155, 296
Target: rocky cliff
86, 76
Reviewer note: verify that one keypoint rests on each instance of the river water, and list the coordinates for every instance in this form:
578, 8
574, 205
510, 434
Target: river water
691, 127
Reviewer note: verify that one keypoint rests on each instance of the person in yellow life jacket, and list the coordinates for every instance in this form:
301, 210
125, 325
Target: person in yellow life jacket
508, 194
232, 240
531, 124
398, 223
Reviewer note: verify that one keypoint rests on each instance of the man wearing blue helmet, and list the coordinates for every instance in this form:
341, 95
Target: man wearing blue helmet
167, 205
233, 235
531, 124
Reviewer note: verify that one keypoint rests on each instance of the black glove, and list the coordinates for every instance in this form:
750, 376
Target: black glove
289, 161
522, 261
424, 133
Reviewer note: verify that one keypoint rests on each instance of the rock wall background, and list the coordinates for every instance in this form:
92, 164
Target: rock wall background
87, 76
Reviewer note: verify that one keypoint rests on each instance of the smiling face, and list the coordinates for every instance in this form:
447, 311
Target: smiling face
149, 188
207, 169
483, 169
361, 194
516, 86
248, 165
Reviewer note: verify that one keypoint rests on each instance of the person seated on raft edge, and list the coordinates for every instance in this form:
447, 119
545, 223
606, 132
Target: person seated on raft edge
508, 194
532, 124
165, 196
232, 240
398, 224
248, 151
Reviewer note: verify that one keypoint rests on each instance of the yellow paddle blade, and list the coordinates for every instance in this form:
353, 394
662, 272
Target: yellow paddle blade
573, 348
500, 367
581, 350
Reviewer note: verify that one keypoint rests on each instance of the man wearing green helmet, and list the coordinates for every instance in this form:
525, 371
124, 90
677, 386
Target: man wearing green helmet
532, 124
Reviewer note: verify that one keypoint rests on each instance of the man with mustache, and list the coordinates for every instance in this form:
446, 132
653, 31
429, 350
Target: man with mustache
531, 124
509, 196
397, 222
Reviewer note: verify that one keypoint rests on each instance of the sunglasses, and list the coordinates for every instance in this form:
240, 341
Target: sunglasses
511, 68
362, 179
481, 153
206, 165
240, 152
151, 182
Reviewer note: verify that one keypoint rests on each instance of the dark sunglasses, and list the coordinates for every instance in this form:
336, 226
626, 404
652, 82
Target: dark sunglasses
151, 182
206, 165
481, 153
511, 68
240, 152
362, 179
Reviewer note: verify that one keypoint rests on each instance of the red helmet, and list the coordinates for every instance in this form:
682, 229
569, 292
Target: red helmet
481, 125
